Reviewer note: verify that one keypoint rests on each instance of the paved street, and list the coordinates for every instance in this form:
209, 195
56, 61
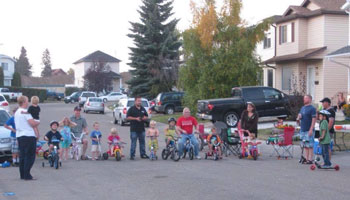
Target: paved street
230, 178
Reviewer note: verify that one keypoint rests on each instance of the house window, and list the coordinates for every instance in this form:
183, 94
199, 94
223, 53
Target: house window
7, 82
270, 77
5, 66
267, 42
283, 34
286, 33
286, 78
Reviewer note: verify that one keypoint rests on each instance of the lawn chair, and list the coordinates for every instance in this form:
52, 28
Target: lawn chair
284, 147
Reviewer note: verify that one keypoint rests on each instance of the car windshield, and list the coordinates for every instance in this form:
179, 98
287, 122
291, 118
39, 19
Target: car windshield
95, 100
132, 102
73, 94
4, 116
5, 90
89, 95
2, 98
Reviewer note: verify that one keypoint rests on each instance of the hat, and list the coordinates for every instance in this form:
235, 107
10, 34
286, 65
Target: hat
54, 122
326, 99
171, 119
325, 113
77, 108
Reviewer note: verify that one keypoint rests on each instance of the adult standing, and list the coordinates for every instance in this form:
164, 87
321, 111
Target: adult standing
137, 115
326, 104
80, 128
185, 126
26, 137
341, 101
249, 120
307, 120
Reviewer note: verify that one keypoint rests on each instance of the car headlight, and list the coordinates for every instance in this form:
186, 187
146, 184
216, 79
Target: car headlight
5, 140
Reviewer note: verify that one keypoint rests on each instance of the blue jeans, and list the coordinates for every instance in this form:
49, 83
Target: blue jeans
325, 154
27, 147
134, 136
182, 143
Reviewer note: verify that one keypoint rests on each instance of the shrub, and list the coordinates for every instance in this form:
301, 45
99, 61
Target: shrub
29, 92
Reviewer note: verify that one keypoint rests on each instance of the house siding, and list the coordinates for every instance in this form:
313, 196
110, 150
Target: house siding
336, 79
336, 32
315, 32
289, 47
302, 35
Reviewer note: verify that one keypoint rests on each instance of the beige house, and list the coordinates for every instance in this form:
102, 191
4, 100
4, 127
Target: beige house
305, 35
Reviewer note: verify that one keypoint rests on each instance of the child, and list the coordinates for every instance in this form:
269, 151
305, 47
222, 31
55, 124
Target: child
66, 123
34, 110
95, 139
113, 139
153, 134
280, 121
52, 136
214, 139
10, 124
325, 138
170, 131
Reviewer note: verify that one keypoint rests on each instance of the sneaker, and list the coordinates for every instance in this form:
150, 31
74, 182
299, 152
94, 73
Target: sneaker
198, 157
144, 156
132, 158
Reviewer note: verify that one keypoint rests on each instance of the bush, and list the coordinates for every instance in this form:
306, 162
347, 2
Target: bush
295, 104
29, 92
71, 90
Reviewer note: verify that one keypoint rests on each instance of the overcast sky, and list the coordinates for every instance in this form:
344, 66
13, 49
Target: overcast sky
72, 29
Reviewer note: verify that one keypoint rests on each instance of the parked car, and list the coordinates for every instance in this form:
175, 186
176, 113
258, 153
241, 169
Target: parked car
12, 95
269, 102
152, 104
122, 107
4, 104
5, 136
54, 95
74, 97
169, 102
113, 96
94, 104
83, 97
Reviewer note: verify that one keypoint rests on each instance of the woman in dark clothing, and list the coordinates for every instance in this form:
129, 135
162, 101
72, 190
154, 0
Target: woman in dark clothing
249, 120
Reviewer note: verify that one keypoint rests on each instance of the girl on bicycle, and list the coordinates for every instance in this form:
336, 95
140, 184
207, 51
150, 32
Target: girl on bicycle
66, 125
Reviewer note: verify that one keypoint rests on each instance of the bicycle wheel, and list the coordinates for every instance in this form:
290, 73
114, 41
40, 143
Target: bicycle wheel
165, 154
191, 154
175, 155
56, 161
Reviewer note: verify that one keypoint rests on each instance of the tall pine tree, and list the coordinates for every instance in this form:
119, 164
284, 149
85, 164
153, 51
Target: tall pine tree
155, 57
47, 64
22, 64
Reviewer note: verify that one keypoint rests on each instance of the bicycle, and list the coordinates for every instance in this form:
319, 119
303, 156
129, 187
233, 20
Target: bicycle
171, 150
53, 158
76, 146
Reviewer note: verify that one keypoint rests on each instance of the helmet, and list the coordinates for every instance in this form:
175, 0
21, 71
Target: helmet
325, 113
53, 122
171, 119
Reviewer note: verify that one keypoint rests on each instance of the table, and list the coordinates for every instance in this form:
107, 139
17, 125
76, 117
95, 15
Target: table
343, 132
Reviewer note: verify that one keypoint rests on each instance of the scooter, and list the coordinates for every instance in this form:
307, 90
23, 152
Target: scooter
318, 153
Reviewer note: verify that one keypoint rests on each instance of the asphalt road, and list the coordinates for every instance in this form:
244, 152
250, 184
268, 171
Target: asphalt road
230, 178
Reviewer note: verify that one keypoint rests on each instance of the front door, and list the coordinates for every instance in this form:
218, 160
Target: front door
311, 81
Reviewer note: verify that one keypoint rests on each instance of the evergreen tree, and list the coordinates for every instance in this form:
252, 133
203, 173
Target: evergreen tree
1, 77
47, 64
16, 81
70, 71
155, 57
22, 64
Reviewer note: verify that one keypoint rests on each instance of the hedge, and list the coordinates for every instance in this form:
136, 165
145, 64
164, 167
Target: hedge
29, 92
71, 90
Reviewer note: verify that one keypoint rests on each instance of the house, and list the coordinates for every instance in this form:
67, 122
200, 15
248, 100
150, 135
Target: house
305, 35
266, 50
82, 66
126, 76
57, 72
8, 65
54, 83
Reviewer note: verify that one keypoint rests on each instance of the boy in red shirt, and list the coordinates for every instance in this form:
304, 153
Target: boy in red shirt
185, 126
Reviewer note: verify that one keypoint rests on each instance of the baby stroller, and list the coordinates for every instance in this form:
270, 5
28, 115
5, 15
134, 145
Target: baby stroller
230, 140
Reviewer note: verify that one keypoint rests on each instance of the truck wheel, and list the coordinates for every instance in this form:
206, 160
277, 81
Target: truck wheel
115, 119
231, 119
169, 110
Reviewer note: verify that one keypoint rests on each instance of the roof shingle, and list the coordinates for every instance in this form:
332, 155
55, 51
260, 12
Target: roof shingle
98, 56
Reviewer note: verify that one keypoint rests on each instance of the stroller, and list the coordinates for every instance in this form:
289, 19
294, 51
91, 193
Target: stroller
230, 140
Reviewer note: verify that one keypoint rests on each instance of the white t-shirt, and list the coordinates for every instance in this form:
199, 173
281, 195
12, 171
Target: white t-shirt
23, 127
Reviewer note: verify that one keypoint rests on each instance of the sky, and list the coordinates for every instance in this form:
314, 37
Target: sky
72, 29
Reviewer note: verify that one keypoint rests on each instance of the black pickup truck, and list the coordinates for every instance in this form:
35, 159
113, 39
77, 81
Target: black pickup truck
269, 102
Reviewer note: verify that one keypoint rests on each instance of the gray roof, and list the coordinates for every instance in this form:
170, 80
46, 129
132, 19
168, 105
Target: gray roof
6, 57
98, 56
298, 56
343, 50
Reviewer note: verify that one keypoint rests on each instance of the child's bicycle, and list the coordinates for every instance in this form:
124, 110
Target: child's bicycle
117, 151
39, 149
253, 149
215, 152
318, 154
171, 150
152, 155
53, 157
189, 148
75, 151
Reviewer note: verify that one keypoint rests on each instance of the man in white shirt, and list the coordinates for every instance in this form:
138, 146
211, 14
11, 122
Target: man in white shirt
26, 138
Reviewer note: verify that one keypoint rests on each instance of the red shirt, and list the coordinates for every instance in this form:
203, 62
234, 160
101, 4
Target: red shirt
187, 124
114, 139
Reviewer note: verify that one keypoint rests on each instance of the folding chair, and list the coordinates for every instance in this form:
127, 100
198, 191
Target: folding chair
284, 147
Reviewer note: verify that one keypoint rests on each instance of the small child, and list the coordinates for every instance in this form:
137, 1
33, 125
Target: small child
113, 139
153, 134
34, 110
170, 131
95, 139
66, 123
280, 121
325, 138
10, 124
213, 140
53, 136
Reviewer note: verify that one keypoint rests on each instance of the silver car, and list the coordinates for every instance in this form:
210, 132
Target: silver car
122, 107
83, 97
94, 104
5, 135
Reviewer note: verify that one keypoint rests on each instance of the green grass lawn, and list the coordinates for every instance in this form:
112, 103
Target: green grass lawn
342, 122
162, 118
